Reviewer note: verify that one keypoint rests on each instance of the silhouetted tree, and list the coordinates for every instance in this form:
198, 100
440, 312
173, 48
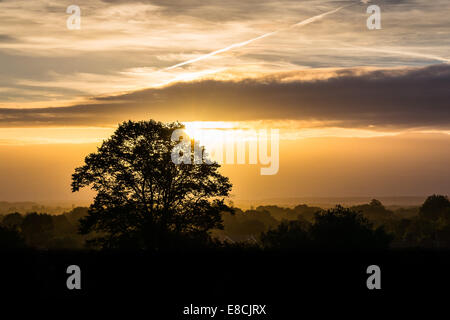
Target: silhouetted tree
375, 212
10, 238
288, 235
343, 228
143, 199
243, 225
303, 211
435, 207
12, 220
37, 229
337, 228
76, 214
62, 226
280, 213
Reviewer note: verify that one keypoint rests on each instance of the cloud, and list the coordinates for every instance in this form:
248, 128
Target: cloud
244, 43
4, 38
350, 97
41, 58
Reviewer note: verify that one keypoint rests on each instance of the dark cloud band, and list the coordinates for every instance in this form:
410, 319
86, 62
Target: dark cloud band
397, 98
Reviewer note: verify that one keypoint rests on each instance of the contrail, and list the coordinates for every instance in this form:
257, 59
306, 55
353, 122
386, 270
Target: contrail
236, 45
400, 52
244, 43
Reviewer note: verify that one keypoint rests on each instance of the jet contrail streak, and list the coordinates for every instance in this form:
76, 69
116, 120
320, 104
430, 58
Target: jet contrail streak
400, 52
244, 43
236, 45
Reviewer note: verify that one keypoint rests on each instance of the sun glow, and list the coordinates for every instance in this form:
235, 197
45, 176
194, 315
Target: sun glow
211, 134
208, 131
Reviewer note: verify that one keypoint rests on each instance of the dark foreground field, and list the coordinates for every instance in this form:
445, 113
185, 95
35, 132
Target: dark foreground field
288, 283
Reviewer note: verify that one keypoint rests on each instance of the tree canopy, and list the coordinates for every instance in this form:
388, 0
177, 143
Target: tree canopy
10, 238
435, 207
338, 228
143, 199
345, 228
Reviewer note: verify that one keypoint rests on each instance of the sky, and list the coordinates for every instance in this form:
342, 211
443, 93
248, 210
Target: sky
360, 112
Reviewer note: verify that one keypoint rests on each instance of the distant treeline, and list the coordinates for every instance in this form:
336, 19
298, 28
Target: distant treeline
42, 230
28, 206
269, 227
422, 226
